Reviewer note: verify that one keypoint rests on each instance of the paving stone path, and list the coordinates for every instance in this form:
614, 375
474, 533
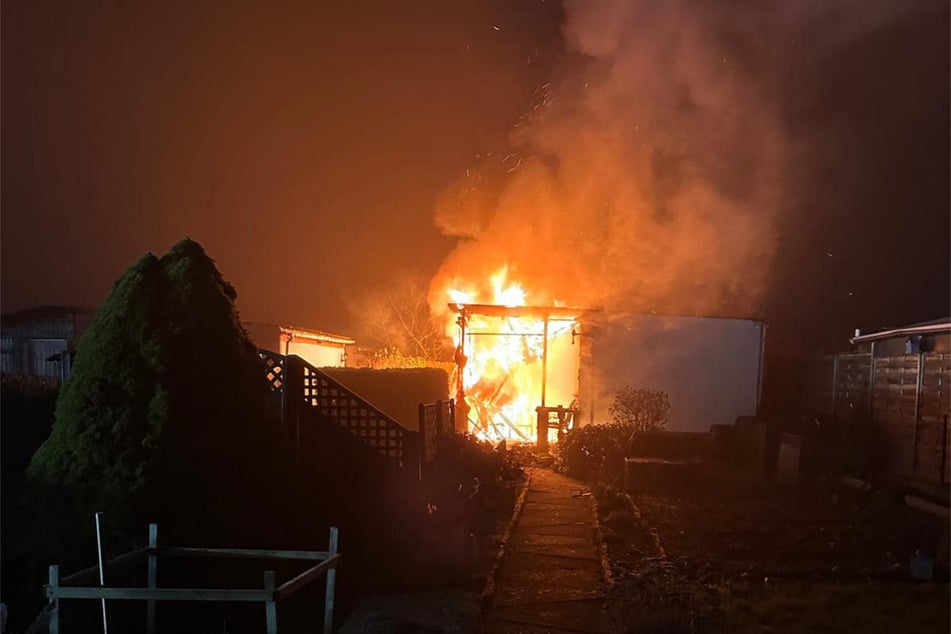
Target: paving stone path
549, 579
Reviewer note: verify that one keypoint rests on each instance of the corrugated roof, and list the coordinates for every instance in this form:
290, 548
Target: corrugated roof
935, 325
317, 335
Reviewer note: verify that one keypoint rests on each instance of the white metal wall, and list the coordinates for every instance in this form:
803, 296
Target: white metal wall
709, 367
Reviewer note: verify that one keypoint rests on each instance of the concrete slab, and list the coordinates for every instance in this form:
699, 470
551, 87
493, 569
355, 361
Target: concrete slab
550, 577
581, 549
514, 595
535, 539
547, 562
568, 579
565, 530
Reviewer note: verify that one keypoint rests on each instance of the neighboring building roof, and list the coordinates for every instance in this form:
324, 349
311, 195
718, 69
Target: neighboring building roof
318, 336
297, 332
925, 327
43, 313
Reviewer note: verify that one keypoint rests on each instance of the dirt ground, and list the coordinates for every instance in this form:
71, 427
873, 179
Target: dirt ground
712, 548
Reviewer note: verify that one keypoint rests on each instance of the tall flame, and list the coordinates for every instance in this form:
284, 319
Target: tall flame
503, 361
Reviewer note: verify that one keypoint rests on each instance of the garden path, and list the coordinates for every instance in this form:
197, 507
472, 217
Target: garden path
549, 579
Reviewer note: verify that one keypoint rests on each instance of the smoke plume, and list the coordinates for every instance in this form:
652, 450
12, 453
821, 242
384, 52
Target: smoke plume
647, 178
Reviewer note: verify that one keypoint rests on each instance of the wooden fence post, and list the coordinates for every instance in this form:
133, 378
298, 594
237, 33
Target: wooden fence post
331, 584
944, 451
918, 386
423, 435
52, 587
152, 577
270, 607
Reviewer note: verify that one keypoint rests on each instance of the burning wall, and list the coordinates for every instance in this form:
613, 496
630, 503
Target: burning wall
645, 179
511, 358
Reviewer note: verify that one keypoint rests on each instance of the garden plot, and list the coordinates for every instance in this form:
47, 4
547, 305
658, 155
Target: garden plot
733, 553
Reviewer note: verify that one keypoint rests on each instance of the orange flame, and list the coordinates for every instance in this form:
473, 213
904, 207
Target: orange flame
503, 370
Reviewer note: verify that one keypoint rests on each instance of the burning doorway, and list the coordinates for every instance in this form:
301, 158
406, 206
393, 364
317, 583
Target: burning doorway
516, 370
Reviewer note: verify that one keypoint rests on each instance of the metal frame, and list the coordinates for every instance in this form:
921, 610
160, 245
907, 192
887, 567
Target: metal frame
546, 314
269, 594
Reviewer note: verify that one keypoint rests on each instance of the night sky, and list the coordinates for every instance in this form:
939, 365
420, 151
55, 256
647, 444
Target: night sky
306, 146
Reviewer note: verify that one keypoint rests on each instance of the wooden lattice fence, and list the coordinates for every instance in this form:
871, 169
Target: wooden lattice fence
300, 384
436, 420
273, 368
362, 419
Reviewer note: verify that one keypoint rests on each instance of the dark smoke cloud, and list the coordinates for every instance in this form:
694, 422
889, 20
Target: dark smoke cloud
665, 162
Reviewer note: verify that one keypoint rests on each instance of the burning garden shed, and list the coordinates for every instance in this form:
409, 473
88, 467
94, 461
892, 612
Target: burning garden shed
525, 372
516, 369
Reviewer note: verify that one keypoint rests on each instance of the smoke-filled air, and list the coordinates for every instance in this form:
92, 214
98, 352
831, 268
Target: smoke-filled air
648, 177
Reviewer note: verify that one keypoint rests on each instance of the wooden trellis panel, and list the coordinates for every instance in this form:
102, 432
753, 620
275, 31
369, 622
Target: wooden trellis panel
362, 419
274, 368
435, 420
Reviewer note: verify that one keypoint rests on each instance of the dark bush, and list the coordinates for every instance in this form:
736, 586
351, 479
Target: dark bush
28, 405
594, 452
469, 481
641, 410
166, 417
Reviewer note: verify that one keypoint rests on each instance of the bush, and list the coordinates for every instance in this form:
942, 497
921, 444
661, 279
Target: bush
596, 452
164, 415
641, 410
28, 406
469, 481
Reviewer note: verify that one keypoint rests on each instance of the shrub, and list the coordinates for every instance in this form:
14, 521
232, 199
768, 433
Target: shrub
641, 410
596, 452
164, 413
469, 480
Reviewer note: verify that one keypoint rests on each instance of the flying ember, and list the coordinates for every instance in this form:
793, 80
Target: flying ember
516, 364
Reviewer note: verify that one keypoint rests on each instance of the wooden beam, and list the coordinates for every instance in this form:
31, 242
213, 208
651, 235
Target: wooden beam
245, 553
304, 578
158, 594
554, 313
94, 570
